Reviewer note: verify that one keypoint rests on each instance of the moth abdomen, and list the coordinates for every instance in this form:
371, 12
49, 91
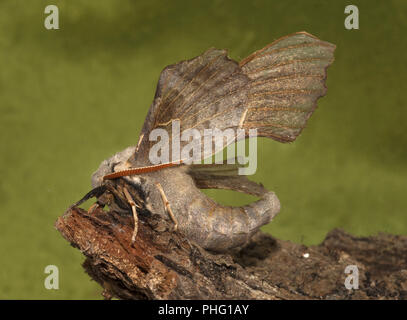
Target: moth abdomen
217, 227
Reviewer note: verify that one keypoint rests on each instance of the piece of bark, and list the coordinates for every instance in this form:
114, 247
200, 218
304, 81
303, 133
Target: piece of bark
163, 264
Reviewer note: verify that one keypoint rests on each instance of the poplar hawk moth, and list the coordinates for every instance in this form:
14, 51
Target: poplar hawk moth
274, 90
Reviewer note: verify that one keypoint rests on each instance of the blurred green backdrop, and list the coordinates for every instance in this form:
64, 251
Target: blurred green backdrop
70, 98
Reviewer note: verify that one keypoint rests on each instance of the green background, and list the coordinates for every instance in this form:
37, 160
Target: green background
70, 98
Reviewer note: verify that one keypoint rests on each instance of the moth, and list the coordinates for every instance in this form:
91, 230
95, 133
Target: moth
274, 90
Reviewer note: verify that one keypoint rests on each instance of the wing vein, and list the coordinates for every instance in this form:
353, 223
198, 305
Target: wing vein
291, 76
288, 62
264, 124
301, 45
288, 91
273, 108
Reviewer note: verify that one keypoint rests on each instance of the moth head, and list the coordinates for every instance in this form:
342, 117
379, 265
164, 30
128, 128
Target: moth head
117, 162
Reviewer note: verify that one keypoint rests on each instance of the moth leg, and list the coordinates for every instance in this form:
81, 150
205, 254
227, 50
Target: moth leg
134, 210
93, 207
167, 206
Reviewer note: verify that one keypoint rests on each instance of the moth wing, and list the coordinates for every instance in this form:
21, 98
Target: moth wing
227, 168
224, 176
208, 91
286, 79
274, 90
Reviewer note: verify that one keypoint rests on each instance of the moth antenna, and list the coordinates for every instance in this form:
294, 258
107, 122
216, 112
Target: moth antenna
134, 171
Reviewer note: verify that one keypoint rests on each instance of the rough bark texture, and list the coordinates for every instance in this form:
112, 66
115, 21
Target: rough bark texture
162, 264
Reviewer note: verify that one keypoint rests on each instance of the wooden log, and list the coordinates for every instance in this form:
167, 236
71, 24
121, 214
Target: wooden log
163, 264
